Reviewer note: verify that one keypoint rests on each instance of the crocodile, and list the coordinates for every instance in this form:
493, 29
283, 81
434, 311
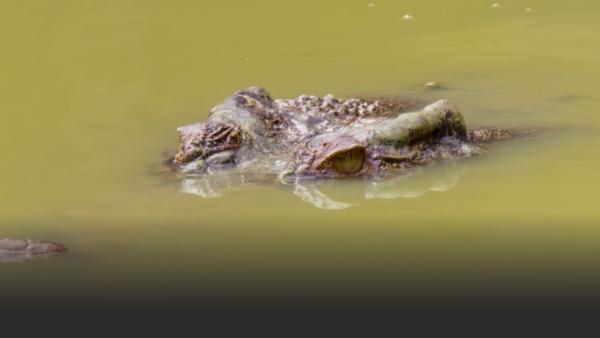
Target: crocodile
22, 249
327, 137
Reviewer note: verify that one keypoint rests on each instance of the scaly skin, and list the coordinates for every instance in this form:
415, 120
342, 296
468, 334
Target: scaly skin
326, 137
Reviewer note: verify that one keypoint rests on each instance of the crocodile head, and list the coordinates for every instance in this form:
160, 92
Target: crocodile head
325, 137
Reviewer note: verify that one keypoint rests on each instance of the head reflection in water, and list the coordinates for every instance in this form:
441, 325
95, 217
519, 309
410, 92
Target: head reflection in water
327, 194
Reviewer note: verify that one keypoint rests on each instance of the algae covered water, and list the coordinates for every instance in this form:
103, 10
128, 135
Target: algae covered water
92, 92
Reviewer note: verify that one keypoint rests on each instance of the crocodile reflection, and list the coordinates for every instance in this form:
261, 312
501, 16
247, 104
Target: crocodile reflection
325, 194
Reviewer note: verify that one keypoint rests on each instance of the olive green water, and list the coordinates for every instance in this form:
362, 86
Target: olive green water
92, 92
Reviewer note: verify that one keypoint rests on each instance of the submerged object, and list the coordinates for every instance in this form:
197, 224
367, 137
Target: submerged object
21, 249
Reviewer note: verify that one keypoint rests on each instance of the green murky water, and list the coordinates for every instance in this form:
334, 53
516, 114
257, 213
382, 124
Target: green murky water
92, 92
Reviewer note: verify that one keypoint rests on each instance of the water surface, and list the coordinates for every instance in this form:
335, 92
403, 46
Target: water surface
92, 92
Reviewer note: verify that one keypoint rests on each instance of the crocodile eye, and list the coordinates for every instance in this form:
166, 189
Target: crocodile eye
349, 162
